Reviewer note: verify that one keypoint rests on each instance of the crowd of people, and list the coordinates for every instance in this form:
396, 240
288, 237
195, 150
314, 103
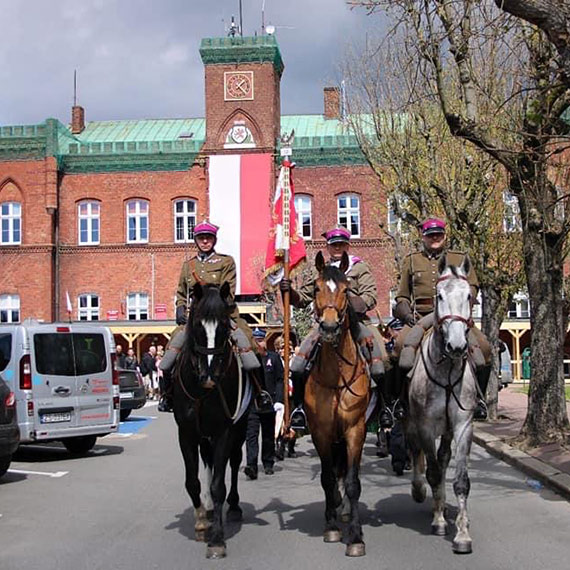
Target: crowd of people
148, 367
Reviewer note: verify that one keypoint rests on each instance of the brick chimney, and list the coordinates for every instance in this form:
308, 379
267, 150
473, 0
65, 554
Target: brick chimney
332, 102
77, 119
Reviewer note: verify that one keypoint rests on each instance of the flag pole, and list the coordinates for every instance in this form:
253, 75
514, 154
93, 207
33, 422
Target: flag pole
286, 153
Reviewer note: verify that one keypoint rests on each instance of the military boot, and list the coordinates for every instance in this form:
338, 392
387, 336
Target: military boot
482, 375
167, 388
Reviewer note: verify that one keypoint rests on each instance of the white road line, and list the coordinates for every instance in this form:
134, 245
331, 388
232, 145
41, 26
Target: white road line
56, 475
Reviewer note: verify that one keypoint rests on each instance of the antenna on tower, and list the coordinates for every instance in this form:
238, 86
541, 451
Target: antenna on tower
240, 20
75, 87
262, 17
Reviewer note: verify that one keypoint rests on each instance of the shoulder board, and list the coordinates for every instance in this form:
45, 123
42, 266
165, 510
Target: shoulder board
452, 251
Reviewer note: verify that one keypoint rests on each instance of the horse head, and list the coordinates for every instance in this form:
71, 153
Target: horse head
331, 299
453, 307
208, 333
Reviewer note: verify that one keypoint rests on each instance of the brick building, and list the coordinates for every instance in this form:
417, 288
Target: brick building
103, 211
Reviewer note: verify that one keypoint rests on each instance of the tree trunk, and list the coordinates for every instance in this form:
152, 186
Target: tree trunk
547, 417
493, 312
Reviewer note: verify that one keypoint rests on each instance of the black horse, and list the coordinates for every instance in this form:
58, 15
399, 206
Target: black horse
208, 395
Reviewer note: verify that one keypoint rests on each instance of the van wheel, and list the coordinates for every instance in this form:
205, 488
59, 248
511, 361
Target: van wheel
125, 414
80, 445
4, 464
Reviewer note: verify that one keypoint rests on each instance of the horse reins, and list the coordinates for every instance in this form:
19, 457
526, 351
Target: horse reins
469, 322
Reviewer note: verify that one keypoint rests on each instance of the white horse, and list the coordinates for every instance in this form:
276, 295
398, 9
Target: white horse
442, 398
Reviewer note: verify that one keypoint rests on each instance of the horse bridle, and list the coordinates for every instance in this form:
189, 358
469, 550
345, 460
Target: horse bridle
459, 318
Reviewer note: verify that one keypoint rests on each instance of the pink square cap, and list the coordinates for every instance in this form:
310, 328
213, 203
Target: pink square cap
433, 226
206, 227
337, 234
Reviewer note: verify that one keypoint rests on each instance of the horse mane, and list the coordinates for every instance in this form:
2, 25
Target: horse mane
211, 306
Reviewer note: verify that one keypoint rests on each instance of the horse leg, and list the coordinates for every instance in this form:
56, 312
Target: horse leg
436, 477
354, 443
462, 543
191, 459
235, 513
418, 468
216, 544
340, 468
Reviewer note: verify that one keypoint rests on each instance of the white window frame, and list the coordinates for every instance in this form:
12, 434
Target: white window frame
522, 307
188, 219
88, 311
344, 214
304, 207
13, 221
9, 308
137, 307
92, 221
141, 212
511, 216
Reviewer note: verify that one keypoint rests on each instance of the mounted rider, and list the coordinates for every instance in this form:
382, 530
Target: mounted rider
362, 297
208, 267
415, 303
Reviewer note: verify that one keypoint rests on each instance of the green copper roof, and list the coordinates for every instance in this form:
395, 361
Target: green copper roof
255, 49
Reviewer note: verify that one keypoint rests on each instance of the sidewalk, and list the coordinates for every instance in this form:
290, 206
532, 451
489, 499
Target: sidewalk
549, 464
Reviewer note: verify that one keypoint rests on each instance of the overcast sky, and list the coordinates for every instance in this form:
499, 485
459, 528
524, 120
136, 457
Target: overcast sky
139, 58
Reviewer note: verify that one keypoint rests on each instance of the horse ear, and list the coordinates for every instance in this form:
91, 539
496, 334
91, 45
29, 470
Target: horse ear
320, 262
442, 264
466, 265
197, 291
225, 291
344, 262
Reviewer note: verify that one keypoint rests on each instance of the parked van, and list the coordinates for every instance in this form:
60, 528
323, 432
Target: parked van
65, 381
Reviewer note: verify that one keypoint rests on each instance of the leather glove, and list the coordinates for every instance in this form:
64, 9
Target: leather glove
181, 315
285, 285
357, 303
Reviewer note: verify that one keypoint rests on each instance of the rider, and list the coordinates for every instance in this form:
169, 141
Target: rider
362, 298
415, 300
208, 267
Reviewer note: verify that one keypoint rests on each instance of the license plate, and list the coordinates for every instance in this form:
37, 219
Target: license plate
127, 395
55, 418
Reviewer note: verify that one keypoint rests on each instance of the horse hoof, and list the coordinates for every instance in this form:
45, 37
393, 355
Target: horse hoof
215, 552
439, 529
463, 547
234, 515
200, 535
356, 549
332, 536
418, 494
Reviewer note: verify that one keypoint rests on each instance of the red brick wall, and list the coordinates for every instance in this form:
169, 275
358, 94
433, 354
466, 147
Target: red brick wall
263, 111
27, 269
113, 269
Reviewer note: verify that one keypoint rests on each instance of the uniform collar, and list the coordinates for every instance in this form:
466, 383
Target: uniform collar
433, 254
204, 256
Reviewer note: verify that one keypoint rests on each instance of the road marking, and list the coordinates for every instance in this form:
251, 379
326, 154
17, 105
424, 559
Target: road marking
55, 475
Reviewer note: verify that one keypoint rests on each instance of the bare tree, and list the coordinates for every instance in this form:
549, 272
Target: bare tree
522, 130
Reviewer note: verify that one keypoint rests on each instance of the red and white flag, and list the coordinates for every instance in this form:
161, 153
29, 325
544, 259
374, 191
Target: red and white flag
68, 303
284, 233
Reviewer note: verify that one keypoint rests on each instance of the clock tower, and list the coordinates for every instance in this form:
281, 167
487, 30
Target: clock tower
243, 106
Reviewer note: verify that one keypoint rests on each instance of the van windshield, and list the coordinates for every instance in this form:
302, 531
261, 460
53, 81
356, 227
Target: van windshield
5, 349
70, 354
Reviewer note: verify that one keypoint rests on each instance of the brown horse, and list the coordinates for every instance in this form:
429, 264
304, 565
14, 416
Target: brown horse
336, 398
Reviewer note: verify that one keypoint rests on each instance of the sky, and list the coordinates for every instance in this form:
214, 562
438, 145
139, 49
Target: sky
139, 59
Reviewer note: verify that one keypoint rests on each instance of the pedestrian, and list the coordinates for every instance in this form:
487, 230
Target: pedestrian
148, 368
131, 362
285, 439
415, 303
121, 356
260, 418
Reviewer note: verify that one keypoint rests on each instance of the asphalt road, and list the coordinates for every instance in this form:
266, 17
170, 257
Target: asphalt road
124, 507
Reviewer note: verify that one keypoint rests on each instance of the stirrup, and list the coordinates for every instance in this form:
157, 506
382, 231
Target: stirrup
399, 410
298, 419
386, 418
480, 412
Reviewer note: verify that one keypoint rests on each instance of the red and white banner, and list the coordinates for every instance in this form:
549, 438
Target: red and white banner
284, 233
240, 190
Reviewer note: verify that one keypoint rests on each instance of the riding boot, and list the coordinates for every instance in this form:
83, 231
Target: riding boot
298, 418
482, 382
167, 388
385, 417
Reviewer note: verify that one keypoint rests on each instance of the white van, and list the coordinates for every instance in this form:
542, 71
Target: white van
65, 381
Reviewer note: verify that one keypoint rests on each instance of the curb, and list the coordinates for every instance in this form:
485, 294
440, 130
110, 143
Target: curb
548, 475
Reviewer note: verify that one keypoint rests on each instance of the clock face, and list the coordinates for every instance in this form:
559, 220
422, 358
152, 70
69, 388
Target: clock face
238, 85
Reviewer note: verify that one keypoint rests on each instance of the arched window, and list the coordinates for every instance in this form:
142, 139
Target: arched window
184, 220
303, 209
137, 221
137, 307
348, 213
9, 308
88, 307
88, 222
10, 223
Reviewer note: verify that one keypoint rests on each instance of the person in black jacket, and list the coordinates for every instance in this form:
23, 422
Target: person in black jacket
148, 368
273, 373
